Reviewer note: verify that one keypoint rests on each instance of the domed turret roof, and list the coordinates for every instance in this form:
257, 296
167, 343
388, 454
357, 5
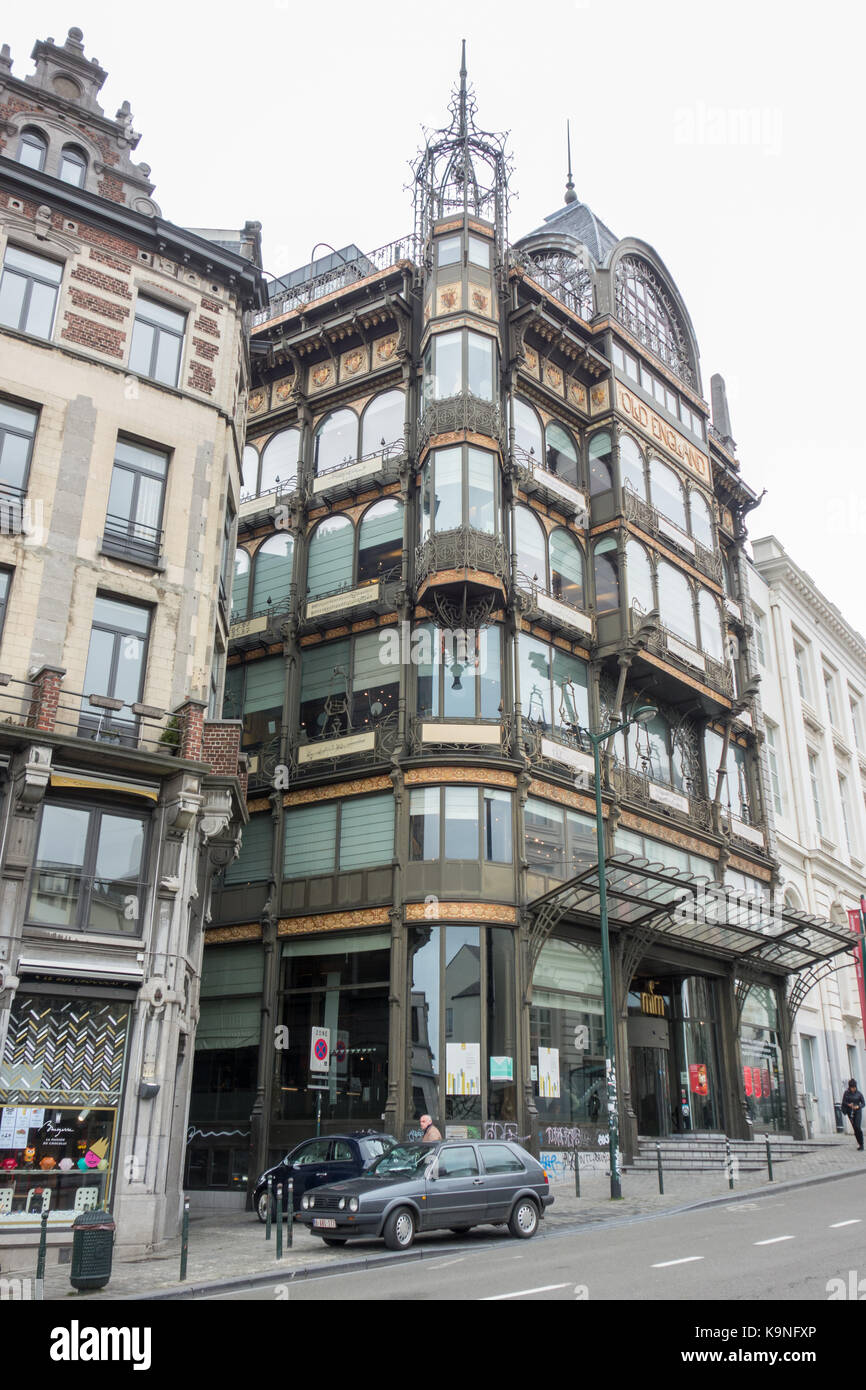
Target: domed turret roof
577, 220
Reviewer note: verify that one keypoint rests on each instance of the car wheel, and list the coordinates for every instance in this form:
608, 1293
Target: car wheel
262, 1208
334, 1240
399, 1229
524, 1219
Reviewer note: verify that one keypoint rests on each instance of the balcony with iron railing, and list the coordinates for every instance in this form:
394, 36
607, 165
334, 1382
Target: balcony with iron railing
684, 656
463, 413
126, 539
256, 507
373, 597
250, 630
432, 734
681, 804
343, 276
534, 477
544, 609
342, 745
344, 480
651, 521
461, 554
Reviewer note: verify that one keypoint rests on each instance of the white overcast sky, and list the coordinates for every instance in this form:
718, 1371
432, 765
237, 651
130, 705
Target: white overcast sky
728, 135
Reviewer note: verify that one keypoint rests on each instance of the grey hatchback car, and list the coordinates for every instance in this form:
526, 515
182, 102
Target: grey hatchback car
452, 1185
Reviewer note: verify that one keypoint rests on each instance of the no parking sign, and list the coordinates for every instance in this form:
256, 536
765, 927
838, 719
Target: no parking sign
320, 1049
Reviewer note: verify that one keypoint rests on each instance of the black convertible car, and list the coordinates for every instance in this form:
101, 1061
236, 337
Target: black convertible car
452, 1185
317, 1161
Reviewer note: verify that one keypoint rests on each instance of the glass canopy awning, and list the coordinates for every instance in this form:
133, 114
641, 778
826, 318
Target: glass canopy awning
697, 912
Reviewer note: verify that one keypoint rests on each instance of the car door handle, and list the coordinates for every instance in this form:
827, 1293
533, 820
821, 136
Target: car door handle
321, 1175
477, 1182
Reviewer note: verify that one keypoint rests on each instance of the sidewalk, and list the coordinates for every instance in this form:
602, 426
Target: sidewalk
232, 1246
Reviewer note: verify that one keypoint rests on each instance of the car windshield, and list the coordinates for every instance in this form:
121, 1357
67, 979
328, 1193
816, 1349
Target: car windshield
373, 1148
403, 1158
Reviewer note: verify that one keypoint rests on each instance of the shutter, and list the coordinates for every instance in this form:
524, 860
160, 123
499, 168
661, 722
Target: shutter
273, 573
265, 685
329, 566
317, 668
367, 831
228, 1023
309, 845
370, 672
230, 970
253, 865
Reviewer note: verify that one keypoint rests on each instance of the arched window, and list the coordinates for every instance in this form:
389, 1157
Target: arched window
702, 521
600, 475
280, 462
337, 440
383, 422
645, 307
272, 584
606, 576
640, 576
667, 493
250, 469
712, 633
649, 749
531, 547
32, 148
527, 430
73, 166
675, 603
241, 585
380, 540
631, 469
561, 453
566, 568
329, 565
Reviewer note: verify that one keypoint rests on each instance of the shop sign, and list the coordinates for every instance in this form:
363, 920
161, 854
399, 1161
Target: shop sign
335, 603
670, 439
652, 1003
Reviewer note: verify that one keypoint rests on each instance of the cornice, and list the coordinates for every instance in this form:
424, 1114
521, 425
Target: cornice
780, 570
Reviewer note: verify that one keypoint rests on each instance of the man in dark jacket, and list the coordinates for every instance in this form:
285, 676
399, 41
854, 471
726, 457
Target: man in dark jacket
852, 1105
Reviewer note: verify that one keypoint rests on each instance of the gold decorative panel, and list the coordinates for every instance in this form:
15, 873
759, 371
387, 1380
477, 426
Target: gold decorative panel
577, 394
356, 788
473, 776
462, 912
250, 931
333, 921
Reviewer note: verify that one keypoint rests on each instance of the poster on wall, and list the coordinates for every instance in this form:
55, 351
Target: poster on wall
747, 1080
7, 1127
463, 1068
756, 1083
501, 1068
548, 1072
698, 1080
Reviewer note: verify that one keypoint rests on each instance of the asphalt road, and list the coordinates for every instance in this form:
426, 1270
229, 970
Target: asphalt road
787, 1246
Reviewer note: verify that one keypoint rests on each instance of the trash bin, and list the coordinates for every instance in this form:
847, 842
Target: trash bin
92, 1249
840, 1119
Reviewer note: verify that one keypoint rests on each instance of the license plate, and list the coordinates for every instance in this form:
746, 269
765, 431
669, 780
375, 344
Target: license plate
325, 1221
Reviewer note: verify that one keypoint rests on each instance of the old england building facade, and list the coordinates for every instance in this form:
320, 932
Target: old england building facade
123, 384
485, 509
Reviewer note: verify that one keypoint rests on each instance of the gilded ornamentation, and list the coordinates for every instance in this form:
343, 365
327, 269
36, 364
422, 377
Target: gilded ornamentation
321, 375
562, 796
356, 788
746, 866
553, 376
257, 400
251, 931
463, 912
386, 347
531, 359
262, 804
448, 299
285, 389
669, 836
421, 776
480, 301
333, 921
577, 394
598, 396
353, 362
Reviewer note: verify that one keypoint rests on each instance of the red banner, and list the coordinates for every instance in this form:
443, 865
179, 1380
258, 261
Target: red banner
854, 924
698, 1082
747, 1079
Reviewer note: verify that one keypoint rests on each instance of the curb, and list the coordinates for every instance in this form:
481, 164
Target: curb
181, 1292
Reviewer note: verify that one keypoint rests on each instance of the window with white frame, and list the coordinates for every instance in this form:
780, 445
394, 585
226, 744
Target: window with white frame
776, 783
815, 781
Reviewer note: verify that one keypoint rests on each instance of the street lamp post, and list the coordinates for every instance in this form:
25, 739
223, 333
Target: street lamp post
641, 715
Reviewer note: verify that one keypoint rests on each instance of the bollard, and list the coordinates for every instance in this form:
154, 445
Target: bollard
661, 1175
270, 1205
576, 1173
184, 1239
769, 1159
291, 1217
279, 1220
43, 1242
729, 1163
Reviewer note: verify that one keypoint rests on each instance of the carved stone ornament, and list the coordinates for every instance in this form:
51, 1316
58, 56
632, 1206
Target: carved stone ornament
531, 359
257, 400
481, 301
33, 778
285, 389
553, 376
321, 375
386, 347
577, 394
353, 362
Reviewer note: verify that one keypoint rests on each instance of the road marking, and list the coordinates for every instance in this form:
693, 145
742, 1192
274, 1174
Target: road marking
686, 1260
521, 1293
443, 1264
836, 1224
774, 1241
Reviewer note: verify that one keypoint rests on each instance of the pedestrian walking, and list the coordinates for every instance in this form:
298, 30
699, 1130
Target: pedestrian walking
429, 1132
852, 1106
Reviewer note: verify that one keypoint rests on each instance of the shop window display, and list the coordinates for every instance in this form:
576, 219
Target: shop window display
55, 1160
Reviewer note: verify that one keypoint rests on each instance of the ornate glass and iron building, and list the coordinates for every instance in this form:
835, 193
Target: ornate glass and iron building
123, 382
486, 509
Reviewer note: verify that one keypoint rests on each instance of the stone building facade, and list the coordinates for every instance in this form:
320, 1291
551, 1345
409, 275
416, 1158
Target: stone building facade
123, 385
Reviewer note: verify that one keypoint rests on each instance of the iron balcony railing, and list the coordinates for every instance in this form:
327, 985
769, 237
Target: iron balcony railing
462, 735
339, 277
107, 720
462, 549
576, 296
131, 540
558, 614
463, 412
344, 745
685, 656
647, 791
352, 476
651, 521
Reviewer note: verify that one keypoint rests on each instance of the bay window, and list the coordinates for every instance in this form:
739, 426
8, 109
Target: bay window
459, 673
460, 823
458, 488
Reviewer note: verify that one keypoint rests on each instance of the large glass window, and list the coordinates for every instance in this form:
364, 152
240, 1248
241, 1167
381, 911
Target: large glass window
600, 460
531, 547
272, 585
561, 453
17, 432
89, 869
675, 603
553, 685
702, 521
763, 1061
735, 790
32, 148
527, 430
459, 489
133, 524
566, 1024
279, 464
667, 493
640, 578
331, 557
712, 631
380, 541
559, 843
475, 824
336, 440
631, 466
447, 363
333, 837
479, 368
606, 565
157, 341
115, 664
566, 568
383, 422
459, 673
258, 689
28, 292
73, 166
346, 680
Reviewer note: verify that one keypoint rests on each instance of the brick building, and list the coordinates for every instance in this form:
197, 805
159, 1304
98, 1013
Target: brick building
123, 389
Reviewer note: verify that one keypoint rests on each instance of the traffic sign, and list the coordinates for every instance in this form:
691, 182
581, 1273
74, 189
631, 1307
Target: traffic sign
320, 1049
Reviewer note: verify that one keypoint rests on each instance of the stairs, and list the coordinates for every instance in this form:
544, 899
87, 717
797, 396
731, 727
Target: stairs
706, 1153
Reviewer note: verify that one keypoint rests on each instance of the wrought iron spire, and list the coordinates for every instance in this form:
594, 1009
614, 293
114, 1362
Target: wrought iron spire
570, 195
463, 94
